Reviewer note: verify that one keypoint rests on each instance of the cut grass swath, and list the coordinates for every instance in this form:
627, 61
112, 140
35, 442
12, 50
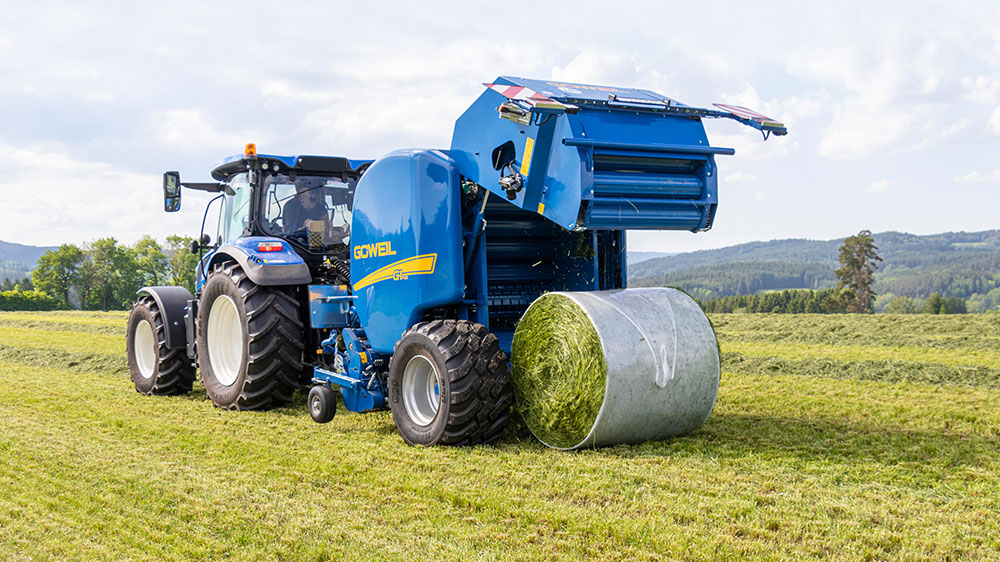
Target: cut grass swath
559, 371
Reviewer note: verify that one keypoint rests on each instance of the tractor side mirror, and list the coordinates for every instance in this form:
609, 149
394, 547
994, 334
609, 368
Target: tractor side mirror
171, 191
197, 245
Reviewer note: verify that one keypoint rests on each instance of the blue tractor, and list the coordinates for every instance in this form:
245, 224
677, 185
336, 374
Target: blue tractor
399, 281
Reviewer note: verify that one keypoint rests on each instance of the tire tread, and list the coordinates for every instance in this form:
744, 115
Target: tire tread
175, 374
480, 387
275, 342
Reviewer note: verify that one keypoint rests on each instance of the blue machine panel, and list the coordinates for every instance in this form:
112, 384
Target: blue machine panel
283, 266
329, 306
602, 164
406, 242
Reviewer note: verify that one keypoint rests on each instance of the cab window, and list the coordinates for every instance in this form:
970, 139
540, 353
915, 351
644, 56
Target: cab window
237, 208
313, 211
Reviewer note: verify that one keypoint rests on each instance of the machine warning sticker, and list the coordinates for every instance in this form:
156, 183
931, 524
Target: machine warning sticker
397, 271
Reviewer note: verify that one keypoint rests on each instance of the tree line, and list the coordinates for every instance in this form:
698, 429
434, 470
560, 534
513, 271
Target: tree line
954, 264
826, 301
854, 292
742, 278
105, 274
760, 286
789, 301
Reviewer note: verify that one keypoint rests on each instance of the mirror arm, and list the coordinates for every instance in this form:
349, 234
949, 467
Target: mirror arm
210, 187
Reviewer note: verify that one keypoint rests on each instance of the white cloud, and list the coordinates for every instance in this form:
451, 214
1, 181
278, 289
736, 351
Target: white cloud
982, 89
99, 96
89, 87
192, 30
188, 130
879, 186
271, 88
896, 85
52, 197
594, 66
979, 177
758, 196
866, 127
749, 143
740, 177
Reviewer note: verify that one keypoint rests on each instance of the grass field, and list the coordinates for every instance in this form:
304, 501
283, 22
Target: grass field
834, 437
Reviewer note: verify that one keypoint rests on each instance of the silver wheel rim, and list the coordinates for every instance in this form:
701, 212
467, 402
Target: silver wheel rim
421, 393
225, 340
316, 404
144, 344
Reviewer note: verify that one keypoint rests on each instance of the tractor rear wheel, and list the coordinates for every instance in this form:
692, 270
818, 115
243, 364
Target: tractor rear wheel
249, 341
449, 384
154, 368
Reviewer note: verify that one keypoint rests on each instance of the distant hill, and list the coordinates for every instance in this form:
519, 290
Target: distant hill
18, 260
636, 257
952, 264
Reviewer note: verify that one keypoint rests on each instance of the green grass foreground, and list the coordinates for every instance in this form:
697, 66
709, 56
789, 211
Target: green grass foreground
834, 437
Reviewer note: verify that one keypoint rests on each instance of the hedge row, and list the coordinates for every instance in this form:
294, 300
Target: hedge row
28, 300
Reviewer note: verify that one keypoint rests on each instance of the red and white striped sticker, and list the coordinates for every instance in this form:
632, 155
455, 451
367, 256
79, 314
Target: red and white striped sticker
745, 113
524, 94
516, 92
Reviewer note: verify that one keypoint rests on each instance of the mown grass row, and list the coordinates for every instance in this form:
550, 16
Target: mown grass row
78, 341
964, 332
807, 465
954, 350
107, 323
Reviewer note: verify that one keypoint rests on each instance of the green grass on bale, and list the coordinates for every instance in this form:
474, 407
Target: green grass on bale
559, 371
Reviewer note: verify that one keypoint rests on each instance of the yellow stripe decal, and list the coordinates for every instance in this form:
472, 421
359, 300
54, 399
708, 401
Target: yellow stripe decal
541, 208
529, 146
417, 265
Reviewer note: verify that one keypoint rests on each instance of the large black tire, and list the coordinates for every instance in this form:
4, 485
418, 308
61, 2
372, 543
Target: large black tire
258, 351
463, 385
154, 368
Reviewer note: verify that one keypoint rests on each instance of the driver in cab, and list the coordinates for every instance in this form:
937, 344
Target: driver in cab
307, 212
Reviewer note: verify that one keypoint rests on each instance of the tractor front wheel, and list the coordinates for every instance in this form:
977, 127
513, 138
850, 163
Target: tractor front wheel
449, 384
154, 368
249, 341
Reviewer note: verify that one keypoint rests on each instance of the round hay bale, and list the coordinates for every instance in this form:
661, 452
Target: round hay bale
606, 367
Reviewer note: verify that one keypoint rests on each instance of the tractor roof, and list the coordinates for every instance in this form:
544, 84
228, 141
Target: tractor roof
300, 163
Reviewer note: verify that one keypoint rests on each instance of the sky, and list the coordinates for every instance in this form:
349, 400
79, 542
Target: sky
893, 108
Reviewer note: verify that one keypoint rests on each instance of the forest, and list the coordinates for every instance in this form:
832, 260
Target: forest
951, 266
101, 275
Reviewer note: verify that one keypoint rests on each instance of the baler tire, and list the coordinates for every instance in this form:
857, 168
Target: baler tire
474, 388
322, 404
270, 353
165, 371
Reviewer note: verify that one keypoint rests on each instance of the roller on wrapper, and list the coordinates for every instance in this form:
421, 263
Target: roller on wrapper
660, 364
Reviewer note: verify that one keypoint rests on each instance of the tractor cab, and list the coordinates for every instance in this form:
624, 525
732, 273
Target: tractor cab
312, 212
306, 201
